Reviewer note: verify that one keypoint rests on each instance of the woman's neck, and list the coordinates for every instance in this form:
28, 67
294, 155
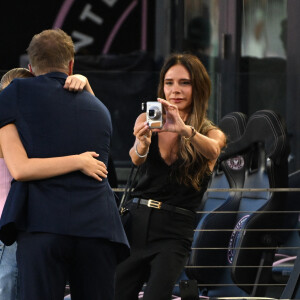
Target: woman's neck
183, 115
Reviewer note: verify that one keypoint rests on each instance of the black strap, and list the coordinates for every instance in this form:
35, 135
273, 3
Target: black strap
128, 188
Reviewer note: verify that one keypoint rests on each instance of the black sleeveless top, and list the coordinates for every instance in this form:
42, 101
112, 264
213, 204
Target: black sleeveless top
156, 181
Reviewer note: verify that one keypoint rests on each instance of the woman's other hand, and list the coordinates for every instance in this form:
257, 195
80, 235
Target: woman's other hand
142, 133
173, 122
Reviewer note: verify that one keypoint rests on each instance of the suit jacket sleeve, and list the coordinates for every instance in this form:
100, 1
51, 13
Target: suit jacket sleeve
8, 104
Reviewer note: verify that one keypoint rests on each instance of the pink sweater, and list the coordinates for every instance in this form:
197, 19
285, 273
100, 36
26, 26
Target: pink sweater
5, 180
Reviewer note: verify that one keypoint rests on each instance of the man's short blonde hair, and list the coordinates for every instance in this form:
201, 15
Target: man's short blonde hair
50, 51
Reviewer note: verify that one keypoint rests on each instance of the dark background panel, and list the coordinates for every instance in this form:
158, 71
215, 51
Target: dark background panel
20, 20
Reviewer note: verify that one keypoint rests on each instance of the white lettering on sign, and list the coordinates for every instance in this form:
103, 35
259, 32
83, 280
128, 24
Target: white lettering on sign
110, 3
84, 40
88, 14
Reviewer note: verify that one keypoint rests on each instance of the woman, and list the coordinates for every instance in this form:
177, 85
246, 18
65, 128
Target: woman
175, 166
20, 167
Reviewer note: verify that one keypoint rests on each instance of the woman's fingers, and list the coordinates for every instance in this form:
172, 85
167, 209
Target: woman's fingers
167, 105
142, 129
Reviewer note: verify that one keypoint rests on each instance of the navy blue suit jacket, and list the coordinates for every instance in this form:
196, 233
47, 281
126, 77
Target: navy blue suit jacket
55, 122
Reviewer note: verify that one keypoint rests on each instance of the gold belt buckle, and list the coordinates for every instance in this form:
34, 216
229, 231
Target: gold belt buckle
122, 211
154, 204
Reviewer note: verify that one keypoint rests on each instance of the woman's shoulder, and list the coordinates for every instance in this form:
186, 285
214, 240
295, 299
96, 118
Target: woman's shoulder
207, 125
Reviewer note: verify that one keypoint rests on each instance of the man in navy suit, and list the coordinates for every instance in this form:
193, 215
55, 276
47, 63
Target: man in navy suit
71, 228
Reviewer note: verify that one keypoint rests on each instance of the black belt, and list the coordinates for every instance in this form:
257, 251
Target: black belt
159, 205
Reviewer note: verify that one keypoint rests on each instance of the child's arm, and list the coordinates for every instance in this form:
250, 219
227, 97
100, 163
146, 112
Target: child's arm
77, 82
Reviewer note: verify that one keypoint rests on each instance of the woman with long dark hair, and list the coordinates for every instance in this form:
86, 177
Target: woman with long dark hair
175, 164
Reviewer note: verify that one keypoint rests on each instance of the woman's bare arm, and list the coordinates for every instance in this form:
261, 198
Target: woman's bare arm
23, 168
142, 133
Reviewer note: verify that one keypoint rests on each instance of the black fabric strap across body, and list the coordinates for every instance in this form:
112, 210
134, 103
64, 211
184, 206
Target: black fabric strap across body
160, 205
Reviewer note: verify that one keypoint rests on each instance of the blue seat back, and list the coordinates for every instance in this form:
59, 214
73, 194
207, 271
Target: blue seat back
257, 231
218, 209
257, 159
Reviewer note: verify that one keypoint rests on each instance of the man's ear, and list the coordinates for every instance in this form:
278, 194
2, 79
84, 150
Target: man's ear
30, 68
71, 65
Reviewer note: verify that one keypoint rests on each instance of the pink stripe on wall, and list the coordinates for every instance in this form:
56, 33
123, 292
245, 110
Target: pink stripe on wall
144, 26
59, 21
117, 26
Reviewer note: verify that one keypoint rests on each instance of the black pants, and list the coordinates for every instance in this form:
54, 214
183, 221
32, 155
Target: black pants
46, 261
160, 246
160, 272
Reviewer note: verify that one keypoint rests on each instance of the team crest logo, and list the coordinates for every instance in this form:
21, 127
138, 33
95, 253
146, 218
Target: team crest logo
236, 163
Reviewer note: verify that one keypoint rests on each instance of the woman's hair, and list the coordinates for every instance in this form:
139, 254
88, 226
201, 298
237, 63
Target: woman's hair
194, 165
12, 74
51, 50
